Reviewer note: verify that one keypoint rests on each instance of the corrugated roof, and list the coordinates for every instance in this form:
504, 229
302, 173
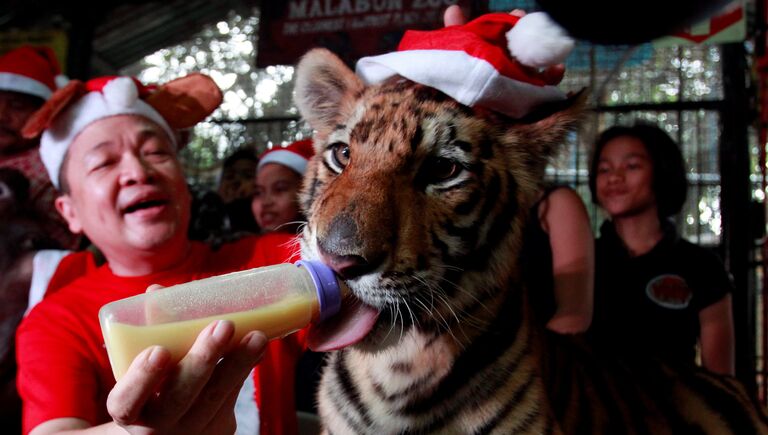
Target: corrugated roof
131, 32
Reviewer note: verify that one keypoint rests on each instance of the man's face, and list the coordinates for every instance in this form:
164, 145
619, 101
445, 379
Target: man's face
127, 192
15, 109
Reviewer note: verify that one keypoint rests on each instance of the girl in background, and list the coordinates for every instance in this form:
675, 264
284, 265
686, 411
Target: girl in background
279, 174
656, 294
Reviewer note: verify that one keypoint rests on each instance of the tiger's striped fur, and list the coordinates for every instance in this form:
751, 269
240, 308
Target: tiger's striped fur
433, 195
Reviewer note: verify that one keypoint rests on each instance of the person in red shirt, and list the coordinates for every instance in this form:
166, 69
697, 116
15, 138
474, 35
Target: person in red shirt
275, 207
109, 146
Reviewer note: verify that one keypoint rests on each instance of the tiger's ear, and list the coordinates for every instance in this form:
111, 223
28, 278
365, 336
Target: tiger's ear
542, 133
325, 89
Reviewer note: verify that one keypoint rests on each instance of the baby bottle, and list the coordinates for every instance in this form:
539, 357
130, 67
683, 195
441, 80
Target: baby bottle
277, 300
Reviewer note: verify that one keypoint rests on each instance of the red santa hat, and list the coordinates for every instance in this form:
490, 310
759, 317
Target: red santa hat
295, 156
493, 61
31, 70
178, 104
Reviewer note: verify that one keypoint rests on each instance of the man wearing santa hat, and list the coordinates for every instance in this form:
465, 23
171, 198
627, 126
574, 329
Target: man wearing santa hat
109, 146
28, 77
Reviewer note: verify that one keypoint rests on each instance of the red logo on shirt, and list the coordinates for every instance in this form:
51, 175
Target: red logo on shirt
669, 291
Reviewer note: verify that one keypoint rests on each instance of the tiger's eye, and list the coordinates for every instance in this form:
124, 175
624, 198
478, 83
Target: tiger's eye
441, 169
340, 154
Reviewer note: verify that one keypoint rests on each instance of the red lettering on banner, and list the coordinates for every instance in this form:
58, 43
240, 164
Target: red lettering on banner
309, 9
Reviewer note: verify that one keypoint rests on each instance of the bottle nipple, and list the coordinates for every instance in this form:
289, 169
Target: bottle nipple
329, 288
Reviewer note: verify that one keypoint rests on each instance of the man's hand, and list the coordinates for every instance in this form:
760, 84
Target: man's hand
194, 397
453, 16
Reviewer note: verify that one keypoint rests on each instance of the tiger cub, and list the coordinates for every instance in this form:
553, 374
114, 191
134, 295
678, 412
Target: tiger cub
419, 202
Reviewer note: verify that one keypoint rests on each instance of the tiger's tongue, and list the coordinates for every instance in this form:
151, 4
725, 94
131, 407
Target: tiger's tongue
349, 326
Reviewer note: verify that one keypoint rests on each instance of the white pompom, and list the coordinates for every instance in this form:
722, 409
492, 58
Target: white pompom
538, 41
120, 92
61, 80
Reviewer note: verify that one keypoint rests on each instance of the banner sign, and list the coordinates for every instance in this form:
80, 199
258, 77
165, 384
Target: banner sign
350, 28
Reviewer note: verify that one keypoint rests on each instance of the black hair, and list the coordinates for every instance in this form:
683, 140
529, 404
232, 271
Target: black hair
670, 185
33, 100
241, 154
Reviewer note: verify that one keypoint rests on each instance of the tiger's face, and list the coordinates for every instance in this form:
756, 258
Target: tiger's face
416, 200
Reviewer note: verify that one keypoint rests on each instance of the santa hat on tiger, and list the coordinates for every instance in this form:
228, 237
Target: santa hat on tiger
32, 71
176, 105
495, 61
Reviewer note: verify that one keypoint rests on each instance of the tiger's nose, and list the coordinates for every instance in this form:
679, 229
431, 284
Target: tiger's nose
342, 248
349, 266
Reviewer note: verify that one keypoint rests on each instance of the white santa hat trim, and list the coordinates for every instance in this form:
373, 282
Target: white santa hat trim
30, 70
537, 41
118, 97
285, 158
19, 83
467, 79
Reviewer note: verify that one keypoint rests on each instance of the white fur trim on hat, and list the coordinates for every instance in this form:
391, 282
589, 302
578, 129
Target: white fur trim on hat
286, 158
537, 41
467, 79
19, 83
118, 97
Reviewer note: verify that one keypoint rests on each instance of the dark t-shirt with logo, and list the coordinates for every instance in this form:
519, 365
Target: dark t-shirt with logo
649, 305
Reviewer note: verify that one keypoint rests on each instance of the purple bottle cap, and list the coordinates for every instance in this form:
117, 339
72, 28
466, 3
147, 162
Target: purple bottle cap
328, 290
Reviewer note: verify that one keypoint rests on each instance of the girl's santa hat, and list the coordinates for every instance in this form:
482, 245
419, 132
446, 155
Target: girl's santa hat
178, 104
295, 156
31, 70
494, 61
